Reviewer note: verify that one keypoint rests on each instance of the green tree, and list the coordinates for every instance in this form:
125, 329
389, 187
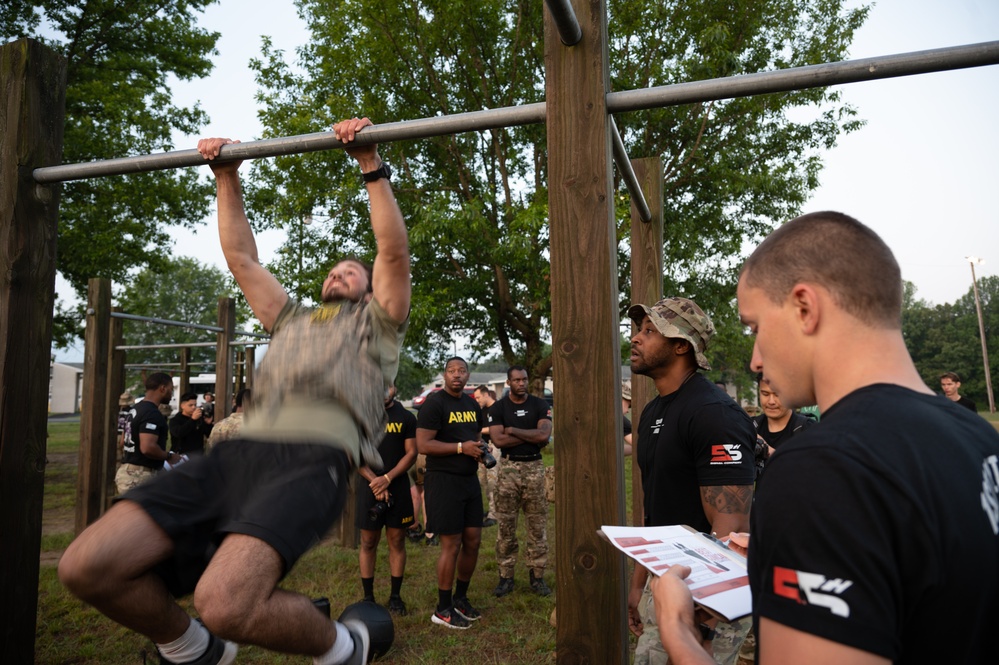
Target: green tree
946, 338
181, 290
476, 204
119, 58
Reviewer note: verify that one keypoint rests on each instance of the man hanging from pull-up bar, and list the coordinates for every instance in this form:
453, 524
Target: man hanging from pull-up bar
230, 525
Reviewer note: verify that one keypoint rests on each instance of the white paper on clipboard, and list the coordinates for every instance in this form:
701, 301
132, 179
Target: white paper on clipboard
718, 580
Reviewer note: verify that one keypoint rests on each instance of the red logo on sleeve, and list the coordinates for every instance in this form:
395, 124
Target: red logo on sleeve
726, 453
812, 589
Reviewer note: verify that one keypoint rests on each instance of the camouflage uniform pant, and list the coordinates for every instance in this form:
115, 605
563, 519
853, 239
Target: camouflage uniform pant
649, 650
521, 485
487, 479
131, 475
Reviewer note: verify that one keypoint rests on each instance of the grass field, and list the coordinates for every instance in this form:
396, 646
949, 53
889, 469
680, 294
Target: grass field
514, 629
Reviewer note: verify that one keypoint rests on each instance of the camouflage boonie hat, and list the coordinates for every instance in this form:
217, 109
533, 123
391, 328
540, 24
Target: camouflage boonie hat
679, 317
125, 399
626, 390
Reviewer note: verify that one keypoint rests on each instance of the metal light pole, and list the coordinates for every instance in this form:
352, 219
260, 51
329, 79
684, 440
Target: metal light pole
981, 331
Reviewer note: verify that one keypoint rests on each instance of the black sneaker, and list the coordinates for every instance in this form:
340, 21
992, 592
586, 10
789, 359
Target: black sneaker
219, 652
451, 619
538, 585
504, 587
368, 599
465, 609
397, 606
362, 641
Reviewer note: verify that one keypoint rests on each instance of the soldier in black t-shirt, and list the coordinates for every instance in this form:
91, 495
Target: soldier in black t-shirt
695, 451
145, 443
384, 500
448, 433
520, 425
875, 534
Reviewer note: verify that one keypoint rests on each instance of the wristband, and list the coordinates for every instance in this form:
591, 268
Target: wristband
387, 479
459, 447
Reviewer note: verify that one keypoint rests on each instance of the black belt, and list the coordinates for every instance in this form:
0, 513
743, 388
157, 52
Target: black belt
523, 458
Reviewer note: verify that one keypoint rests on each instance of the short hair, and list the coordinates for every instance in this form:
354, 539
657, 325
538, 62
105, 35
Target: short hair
837, 252
242, 395
188, 396
953, 376
482, 389
516, 368
157, 380
453, 358
369, 270
492, 393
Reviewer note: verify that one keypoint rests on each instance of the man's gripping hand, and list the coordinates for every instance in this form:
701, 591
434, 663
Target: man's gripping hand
366, 155
211, 148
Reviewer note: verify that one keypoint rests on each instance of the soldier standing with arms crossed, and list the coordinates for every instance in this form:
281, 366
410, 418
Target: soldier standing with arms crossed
520, 425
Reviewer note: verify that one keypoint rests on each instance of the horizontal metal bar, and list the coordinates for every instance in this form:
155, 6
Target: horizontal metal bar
181, 324
798, 78
182, 345
565, 20
812, 76
167, 365
628, 174
386, 133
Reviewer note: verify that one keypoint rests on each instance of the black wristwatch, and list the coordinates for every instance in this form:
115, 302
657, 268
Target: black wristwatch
382, 171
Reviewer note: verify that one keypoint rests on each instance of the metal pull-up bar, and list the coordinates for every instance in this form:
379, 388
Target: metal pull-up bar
182, 324
798, 78
565, 19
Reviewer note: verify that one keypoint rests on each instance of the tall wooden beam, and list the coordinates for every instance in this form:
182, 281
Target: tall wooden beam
223, 358
91, 487
33, 90
585, 343
185, 370
646, 288
251, 357
116, 386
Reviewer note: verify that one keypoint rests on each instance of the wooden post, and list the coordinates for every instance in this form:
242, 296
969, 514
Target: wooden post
33, 85
585, 345
185, 370
223, 358
116, 386
646, 288
91, 489
251, 359
240, 368
345, 531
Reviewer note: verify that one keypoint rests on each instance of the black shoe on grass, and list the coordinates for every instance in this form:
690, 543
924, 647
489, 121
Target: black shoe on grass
450, 618
465, 609
504, 587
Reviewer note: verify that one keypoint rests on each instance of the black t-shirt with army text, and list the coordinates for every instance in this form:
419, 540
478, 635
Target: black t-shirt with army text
454, 419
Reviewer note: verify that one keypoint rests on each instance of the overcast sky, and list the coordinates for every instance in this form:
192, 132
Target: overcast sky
923, 172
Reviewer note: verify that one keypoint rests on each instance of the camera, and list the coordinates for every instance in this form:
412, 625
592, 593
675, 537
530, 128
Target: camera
379, 508
487, 458
761, 452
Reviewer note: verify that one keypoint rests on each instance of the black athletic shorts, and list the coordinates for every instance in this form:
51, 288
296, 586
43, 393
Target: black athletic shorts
398, 516
287, 495
453, 502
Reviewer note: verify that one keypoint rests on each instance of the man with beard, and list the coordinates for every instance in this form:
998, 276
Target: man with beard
448, 431
875, 534
695, 451
230, 525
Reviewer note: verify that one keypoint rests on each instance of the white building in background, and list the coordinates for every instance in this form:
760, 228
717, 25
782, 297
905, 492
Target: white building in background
65, 387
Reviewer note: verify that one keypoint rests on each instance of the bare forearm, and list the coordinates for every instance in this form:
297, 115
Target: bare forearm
538, 436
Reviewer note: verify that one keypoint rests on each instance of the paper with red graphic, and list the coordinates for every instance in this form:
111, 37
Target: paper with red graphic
717, 580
